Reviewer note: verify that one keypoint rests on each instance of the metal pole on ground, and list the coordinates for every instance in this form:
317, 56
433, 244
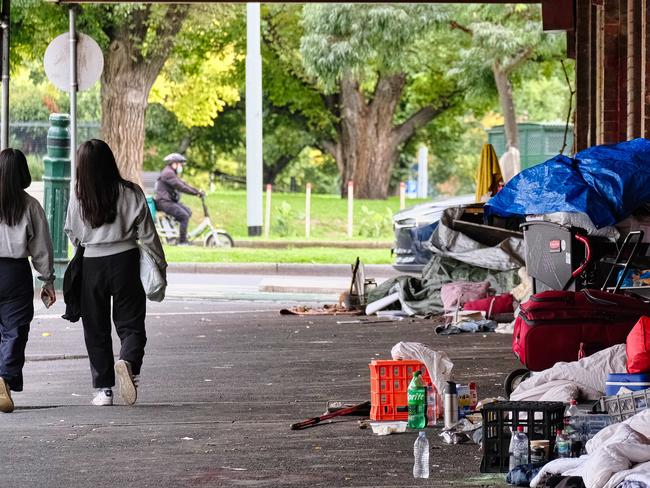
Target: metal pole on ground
402, 195
350, 207
4, 122
307, 210
253, 121
267, 216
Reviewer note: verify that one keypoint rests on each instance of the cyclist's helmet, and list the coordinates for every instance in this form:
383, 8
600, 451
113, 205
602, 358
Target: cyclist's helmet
174, 158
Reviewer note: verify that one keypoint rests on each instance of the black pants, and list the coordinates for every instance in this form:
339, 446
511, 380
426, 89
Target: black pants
16, 313
116, 276
180, 212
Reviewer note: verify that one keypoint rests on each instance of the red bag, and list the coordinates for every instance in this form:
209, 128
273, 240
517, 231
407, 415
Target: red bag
492, 306
638, 347
558, 326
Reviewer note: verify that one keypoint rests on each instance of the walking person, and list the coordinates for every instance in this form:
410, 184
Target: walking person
108, 216
23, 233
168, 189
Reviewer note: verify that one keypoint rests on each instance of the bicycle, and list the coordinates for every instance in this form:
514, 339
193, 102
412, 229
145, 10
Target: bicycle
168, 230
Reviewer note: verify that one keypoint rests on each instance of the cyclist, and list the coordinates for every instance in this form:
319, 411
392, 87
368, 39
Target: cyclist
169, 186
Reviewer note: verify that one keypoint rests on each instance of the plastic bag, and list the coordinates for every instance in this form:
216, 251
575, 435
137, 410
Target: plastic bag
153, 281
638, 347
437, 362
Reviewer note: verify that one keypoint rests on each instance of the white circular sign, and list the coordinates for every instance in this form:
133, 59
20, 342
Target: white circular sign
90, 62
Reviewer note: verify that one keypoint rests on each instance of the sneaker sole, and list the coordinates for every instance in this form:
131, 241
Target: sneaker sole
6, 403
126, 388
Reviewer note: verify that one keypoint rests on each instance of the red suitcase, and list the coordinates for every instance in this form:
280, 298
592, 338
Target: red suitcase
558, 326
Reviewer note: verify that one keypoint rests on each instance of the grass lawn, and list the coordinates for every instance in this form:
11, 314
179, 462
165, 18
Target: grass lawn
315, 255
328, 216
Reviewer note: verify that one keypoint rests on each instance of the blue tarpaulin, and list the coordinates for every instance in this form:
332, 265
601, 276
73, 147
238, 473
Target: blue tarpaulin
606, 182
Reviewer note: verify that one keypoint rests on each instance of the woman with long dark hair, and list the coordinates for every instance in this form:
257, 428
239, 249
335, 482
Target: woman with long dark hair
23, 233
108, 216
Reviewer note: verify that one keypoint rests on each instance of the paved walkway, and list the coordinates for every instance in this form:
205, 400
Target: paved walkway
222, 381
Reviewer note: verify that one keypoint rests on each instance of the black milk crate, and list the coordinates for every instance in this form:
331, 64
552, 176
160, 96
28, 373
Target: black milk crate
539, 419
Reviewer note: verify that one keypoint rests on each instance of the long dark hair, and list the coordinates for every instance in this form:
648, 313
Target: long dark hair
14, 178
98, 183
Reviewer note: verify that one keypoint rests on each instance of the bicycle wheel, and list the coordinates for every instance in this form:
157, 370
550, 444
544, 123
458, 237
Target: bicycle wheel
219, 239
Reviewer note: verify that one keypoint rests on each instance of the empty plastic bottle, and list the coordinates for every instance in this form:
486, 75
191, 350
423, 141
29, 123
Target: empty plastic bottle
518, 449
416, 400
421, 457
572, 410
562, 444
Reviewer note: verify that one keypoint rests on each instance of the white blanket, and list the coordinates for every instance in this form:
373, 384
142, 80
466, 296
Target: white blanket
584, 379
617, 453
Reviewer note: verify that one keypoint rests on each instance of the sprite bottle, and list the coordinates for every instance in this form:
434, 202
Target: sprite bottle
417, 406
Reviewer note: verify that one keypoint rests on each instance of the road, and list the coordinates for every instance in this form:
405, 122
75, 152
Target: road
221, 383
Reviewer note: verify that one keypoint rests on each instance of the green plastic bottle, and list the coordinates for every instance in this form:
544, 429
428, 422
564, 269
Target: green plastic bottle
417, 405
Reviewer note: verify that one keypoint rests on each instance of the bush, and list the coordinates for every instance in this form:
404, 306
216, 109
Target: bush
375, 224
36, 168
283, 219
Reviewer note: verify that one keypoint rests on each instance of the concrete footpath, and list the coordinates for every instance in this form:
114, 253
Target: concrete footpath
301, 282
221, 383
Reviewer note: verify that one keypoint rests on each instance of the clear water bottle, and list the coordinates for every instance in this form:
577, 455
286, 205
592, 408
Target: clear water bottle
572, 409
562, 444
421, 457
518, 449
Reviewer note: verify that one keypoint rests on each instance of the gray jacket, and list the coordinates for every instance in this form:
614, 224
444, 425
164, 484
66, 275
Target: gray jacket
132, 225
30, 238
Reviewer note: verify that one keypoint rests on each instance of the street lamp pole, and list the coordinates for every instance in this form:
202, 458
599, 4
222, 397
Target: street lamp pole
254, 168
4, 116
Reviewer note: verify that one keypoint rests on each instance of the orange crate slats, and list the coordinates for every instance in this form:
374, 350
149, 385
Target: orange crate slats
389, 382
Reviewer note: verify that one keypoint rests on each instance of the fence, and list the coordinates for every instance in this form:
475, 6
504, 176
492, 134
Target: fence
31, 137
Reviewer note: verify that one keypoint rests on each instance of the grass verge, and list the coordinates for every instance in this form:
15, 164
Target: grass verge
313, 255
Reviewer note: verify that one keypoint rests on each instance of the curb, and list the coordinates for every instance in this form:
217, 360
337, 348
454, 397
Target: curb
371, 270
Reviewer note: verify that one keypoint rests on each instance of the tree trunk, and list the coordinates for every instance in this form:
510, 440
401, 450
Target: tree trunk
367, 148
506, 100
124, 94
367, 141
130, 71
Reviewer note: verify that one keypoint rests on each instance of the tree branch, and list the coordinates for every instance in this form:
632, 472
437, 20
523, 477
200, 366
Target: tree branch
518, 60
419, 119
455, 25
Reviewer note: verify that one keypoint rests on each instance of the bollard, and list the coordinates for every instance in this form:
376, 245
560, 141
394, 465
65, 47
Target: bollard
267, 214
350, 208
308, 211
402, 195
56, 179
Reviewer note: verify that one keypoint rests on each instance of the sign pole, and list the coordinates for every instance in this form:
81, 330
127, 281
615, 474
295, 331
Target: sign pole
73, 96
4, 24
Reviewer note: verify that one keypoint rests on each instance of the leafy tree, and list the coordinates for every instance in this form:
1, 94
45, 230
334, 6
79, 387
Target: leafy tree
365, 56
504, 38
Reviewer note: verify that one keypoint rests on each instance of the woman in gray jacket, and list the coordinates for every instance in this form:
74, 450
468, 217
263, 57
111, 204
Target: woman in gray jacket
23, 233
109, 216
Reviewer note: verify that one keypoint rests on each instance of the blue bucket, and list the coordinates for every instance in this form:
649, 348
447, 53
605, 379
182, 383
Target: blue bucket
634, 382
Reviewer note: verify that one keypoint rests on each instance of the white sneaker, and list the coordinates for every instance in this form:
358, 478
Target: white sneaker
125, 382
103, 397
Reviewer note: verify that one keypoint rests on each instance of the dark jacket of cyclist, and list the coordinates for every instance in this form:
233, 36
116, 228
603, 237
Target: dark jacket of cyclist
168, 189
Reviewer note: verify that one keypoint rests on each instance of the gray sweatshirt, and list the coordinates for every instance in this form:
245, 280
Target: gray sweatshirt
133, 224
30, 237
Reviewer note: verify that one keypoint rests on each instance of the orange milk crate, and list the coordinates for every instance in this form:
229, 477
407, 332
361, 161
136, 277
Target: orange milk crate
389, 382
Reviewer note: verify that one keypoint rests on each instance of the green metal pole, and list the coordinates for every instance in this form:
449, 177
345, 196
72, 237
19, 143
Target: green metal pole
57, 188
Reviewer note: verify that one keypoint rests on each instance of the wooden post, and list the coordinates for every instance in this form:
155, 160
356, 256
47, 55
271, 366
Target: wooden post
402, 195
350, 207
267, 215
307, 210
